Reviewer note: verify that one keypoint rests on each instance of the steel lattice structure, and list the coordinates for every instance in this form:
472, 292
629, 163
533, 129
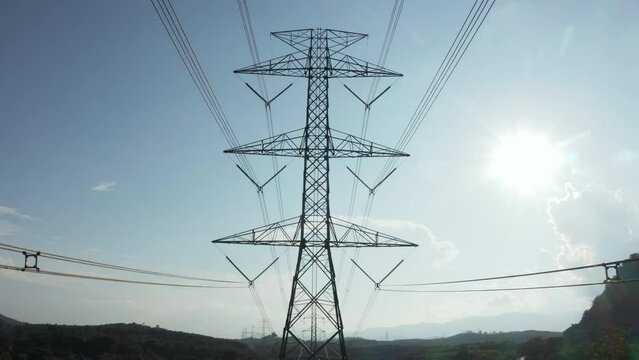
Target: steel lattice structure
318, 57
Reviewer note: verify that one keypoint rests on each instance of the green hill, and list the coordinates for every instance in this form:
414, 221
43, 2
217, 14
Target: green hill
116, 341
7, 321
609, 330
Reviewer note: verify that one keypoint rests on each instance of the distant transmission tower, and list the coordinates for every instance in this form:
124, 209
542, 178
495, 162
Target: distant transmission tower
318, 57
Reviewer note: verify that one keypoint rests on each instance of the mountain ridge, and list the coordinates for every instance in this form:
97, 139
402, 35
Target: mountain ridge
506, 322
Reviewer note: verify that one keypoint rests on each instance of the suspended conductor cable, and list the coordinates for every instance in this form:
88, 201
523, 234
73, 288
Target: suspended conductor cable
272, 250
473, 22
100, 278
386, 45
173, 27
514, 288
255, 56
351, 272
545, 272
367, 309
64, 258
260, 305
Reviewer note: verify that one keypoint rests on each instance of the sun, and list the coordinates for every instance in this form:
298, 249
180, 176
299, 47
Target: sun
525, 161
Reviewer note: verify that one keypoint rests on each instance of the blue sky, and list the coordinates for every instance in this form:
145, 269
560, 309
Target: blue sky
94, 97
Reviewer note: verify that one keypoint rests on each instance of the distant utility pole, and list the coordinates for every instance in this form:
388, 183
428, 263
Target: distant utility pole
317, 57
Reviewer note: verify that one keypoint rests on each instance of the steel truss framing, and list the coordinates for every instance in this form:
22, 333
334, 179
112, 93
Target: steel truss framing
318, 58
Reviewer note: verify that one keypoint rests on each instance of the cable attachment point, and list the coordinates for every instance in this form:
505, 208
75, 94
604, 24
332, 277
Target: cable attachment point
31, 260
371, 190
612, 272
260, 188
367, 105
267, 103
378, 283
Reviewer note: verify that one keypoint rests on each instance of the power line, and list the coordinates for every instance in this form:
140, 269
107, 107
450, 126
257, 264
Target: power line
255, 56
91, 277
583, 267
64, 258
318, 58
252, 44
386, 45
513, 288
473, 22
383, 55
366, 311
172, 25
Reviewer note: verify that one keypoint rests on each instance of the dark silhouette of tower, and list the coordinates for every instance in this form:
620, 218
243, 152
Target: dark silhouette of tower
318, 57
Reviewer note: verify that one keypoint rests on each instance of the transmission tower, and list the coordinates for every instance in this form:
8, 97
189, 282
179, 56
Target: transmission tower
318, 57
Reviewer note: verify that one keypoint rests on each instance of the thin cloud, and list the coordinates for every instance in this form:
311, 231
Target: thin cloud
593, 224
438, 252
104, 186
5, 210
7, 228
626, 156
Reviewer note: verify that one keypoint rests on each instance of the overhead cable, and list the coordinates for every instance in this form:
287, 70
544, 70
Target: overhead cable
513, 288
383, 55
173, 26
100, 278
255, 56
53, 256
545, 272
473, 22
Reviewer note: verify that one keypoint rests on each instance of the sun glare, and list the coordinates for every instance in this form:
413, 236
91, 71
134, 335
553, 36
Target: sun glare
525, 161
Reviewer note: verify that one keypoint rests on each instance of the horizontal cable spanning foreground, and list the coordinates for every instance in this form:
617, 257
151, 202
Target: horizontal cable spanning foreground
74, 260
291, 144
287, 233
128, 281
605, 265
615, 282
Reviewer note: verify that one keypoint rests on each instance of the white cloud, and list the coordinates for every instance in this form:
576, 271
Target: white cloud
440, 252
593, 224
566, 40
626, 156
104, 186
7, 228
5, 210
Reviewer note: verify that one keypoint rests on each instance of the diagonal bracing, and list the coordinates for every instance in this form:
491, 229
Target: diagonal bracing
318, 58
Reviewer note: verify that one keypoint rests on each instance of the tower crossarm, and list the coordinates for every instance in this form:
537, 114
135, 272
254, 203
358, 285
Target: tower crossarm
286, 233
339, 65
291, 144
347, 66
318, 57
336, 40
281, 233
348, 146
353, 235
294, 64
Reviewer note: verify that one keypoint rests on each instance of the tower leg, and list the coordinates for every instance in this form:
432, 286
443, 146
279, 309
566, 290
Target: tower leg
314, 328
